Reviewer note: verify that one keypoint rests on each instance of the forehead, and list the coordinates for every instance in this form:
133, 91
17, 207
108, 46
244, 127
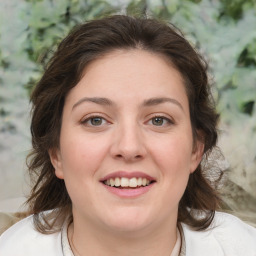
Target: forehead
130, 74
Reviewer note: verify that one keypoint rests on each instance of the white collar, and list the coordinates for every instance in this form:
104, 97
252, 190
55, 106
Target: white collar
67, 251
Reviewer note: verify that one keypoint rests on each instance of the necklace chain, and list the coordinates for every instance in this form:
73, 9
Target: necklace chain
72, 246
75, 251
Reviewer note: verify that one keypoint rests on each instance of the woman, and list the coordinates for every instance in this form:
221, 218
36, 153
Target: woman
121, 120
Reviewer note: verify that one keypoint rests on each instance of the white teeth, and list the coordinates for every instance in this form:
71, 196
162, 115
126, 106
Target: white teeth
133, 183
125, 182
117, 182
112, 182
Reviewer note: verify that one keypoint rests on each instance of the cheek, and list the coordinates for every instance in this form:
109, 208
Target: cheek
173, 151
82, 155
80, 165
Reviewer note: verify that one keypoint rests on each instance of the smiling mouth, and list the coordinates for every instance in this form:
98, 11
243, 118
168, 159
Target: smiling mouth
126, 183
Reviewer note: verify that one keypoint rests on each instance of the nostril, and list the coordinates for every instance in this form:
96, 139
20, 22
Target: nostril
128, 157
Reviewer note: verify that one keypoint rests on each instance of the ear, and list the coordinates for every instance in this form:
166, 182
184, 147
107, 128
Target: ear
197, 154
55, 157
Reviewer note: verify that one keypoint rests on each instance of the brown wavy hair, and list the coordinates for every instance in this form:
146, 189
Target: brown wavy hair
49, 200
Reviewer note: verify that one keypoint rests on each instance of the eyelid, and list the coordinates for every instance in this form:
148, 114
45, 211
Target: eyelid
87, 117
164, 116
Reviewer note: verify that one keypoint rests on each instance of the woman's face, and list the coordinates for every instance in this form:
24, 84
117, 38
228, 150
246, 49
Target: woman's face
126, 145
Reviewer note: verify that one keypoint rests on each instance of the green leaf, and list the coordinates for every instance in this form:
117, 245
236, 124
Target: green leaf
137, 8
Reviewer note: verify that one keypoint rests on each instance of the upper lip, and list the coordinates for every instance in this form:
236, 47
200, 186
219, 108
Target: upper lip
129, 175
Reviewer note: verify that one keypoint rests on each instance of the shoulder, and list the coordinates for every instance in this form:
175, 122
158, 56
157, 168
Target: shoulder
227, 235
23, 239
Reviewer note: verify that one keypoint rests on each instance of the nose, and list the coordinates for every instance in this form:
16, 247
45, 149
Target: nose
128, 143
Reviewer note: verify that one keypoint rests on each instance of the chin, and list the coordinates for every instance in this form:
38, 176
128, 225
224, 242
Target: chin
128, 220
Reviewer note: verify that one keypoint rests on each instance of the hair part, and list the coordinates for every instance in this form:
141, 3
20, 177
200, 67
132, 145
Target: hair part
84, 44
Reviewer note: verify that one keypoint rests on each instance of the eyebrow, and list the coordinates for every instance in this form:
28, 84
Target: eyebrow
146, 103
97, 100
157, 101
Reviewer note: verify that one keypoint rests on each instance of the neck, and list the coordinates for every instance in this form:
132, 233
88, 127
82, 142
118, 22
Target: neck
87, 240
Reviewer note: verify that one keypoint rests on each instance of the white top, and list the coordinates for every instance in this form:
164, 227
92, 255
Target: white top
67, 251
227, 236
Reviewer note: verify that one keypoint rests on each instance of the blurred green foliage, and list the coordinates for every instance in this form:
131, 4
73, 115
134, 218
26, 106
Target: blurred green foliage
43, 23
225, 32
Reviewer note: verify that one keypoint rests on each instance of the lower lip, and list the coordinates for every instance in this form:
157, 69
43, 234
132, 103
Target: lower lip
129, 193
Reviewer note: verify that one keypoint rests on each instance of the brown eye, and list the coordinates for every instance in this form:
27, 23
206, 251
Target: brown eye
158, 121
95, 121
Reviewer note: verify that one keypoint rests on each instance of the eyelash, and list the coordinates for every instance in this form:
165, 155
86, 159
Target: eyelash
86, 121
90, 118
167, 120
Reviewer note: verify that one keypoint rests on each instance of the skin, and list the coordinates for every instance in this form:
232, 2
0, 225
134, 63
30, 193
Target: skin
126, 137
